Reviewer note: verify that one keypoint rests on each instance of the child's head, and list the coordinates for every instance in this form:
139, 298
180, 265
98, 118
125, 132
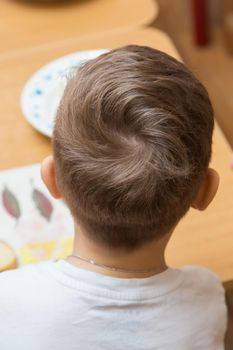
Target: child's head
132, 144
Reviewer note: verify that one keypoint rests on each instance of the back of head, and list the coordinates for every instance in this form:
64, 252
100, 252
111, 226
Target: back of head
132, 142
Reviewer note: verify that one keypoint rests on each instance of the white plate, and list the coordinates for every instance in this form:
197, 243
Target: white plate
41, 94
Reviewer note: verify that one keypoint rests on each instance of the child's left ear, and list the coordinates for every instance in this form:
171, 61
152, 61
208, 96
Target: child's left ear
48, 175
207, 190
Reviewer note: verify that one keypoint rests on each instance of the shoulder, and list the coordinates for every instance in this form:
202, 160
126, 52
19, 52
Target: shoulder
203, 284
206, 295
19, 283
13, 277
202, 279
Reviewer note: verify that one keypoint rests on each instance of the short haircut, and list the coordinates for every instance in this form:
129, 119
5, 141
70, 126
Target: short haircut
132, 143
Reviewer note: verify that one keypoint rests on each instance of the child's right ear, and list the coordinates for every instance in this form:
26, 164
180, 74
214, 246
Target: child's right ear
48, 175
207, 190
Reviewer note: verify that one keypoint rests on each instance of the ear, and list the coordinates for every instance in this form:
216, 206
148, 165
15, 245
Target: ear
207, 190
48, 175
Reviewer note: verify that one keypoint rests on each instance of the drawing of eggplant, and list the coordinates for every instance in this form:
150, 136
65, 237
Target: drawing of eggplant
10, 203
42, 203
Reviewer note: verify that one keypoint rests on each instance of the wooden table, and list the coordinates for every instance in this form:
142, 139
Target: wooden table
29, 23
202, 238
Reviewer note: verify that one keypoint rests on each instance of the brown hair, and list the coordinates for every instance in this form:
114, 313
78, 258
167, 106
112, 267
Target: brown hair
132, 142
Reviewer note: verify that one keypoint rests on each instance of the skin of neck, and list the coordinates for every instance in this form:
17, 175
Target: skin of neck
147, 257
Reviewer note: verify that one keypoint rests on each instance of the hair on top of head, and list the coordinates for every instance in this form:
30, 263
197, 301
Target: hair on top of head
132, 142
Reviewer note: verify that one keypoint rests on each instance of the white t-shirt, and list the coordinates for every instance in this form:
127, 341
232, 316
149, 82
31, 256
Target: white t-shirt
56, 306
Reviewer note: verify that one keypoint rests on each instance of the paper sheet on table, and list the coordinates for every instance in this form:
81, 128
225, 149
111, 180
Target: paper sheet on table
34, 224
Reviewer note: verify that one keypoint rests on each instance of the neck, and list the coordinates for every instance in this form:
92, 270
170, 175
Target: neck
145, 261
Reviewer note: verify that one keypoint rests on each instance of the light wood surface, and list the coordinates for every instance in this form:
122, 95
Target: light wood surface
212, 64
202, 238
26, 23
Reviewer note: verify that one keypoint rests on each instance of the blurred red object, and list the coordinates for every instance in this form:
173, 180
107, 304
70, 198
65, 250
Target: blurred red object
200, 19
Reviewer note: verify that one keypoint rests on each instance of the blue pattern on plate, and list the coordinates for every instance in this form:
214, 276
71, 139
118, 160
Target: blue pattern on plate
48, 77
38, 92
